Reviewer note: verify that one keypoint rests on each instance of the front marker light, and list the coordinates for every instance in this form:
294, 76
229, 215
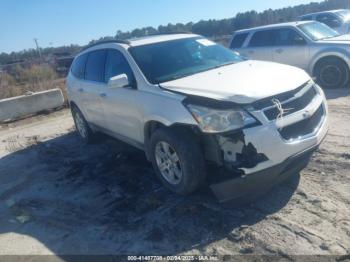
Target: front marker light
217, 121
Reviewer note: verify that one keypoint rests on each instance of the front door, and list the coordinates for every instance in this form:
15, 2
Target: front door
121, 110
291, 48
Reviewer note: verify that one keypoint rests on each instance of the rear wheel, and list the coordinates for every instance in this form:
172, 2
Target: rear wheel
178, 160
332, 73
82, 126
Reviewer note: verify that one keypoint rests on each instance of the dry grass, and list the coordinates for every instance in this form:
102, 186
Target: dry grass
33, 79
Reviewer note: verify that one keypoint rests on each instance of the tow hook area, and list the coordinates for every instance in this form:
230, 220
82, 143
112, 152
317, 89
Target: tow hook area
237, 153
244, 189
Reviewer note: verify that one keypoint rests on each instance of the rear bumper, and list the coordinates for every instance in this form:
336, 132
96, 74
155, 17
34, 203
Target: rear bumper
250, 186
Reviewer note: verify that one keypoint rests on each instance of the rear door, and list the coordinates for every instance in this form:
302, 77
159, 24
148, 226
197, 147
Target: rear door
260, 46
290, 48
122, 116
93, 86
75, 82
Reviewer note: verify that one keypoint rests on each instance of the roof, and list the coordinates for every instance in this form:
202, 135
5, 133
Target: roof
144, 40
273, 26
158, 38
323, 12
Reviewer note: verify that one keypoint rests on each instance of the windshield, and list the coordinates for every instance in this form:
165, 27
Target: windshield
165, 61
318, 31
345, 14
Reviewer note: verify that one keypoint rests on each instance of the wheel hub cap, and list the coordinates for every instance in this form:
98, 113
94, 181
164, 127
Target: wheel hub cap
331, 75
168, 163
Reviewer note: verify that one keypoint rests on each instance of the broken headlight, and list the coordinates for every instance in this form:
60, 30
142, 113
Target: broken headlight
218, 121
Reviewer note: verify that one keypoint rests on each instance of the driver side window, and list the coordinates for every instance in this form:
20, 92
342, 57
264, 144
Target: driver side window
288, 37
116, 64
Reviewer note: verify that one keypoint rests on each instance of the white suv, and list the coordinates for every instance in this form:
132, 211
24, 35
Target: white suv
190, 103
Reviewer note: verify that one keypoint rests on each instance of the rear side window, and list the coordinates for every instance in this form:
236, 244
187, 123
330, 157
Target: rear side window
306, 18
238, 40
116, 64
78, 66
95, 66
262, 38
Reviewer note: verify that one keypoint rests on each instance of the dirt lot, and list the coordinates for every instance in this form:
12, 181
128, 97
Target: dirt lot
59, 196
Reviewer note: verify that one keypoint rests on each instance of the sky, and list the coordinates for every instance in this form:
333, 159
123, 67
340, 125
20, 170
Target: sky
64, 22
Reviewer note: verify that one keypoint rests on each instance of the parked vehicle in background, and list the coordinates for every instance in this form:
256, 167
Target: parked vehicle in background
339, 20
312, 46
187, 101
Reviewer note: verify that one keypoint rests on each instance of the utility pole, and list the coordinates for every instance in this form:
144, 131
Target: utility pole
37, 47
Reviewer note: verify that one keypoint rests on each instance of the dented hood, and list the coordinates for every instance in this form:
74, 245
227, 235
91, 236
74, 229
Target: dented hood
241, 83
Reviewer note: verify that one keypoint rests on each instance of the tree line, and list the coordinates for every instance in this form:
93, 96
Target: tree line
208, 28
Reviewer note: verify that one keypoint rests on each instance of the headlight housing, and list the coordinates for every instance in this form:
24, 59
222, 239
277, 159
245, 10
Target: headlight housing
218, 121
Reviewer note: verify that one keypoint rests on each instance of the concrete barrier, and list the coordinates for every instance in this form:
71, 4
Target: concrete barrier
20, 106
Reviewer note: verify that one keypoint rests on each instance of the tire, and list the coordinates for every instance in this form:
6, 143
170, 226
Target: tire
82, 127
190, 160
332, 73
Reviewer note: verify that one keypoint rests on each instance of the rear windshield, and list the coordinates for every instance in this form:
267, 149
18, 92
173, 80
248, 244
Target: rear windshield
165, 61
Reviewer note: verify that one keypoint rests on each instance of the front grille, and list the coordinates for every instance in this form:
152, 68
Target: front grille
304, 127
267, 102
293, 105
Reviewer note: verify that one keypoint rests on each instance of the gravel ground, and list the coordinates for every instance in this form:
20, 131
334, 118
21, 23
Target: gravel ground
58, 196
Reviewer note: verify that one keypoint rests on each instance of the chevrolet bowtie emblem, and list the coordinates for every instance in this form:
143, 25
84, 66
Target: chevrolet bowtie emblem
282, 111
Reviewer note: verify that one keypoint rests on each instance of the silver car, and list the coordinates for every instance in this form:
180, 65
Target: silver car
339, 20
309, 45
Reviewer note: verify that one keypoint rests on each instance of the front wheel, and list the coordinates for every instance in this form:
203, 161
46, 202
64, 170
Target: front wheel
332, 73
178, 160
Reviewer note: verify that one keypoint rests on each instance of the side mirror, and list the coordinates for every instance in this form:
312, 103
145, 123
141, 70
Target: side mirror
118, 81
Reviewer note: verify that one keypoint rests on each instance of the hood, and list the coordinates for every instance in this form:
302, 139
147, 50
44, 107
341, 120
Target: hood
242, 83
342, 39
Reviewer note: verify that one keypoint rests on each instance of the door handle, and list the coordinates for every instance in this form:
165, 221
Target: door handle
103, 95
279, 50
81, 90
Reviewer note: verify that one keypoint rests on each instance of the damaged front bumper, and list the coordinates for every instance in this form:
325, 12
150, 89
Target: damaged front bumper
259, 157
249, 187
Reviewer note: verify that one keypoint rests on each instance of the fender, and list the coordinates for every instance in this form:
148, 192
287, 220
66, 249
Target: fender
331, 51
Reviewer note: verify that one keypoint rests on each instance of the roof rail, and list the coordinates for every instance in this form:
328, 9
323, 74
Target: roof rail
169, 33
106, 42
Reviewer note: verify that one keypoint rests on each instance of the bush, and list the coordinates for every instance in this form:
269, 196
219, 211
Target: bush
37, 77
22, 80
8, 87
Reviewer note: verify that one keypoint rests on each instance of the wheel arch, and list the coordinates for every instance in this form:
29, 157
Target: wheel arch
339, 54
152, 125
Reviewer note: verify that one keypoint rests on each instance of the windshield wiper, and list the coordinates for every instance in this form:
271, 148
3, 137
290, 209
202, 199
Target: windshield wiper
197, 72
